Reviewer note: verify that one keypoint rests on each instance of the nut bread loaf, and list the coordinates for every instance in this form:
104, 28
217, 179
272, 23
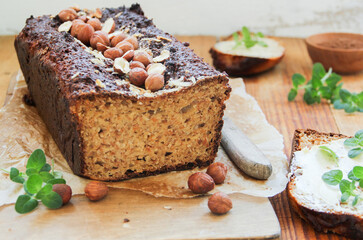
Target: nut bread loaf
321, 212
110, 121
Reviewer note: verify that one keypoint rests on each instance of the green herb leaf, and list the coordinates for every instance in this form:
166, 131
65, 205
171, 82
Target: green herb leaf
46, 168
297, 80
355, 201
333, 177
31, 171
352, 142
15, 177
355, 152
25, 204
36, 160
344, 95
361, 183
46, 176
352, 177
263, 44
292, 94
344, 197
44, 191
359, 135
260, 35
346, 186
52, 200
330, 154
358, 172
56, 181
34, 183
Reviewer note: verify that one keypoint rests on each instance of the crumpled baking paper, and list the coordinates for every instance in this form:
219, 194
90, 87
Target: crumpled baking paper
23, 131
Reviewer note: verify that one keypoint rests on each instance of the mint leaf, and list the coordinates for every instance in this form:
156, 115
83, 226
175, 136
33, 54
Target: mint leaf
15, 177
359, 135
297, 80
46, 176
344, 197
260, 35
52, 200
34, 183
333, 177
344, 95
330, 154
56, 181
361, 183
31, 171
46, 168
352, 177
25, 204
346, 186
352, 142
36, 160
355, 201
292, 94
358, 172
44, 191
355, 152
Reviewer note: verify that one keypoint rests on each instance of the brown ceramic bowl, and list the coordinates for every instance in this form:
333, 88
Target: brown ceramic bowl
343, 52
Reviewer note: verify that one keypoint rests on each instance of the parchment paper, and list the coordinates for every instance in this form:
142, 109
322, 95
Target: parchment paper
23, 131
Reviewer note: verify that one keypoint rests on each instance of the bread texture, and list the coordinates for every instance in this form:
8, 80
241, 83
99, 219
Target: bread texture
323, 219
109, 129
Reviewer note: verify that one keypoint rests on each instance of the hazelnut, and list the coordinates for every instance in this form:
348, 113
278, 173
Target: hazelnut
220, 203
199, 182
96, 190
76, 27
101, 47
121, 65
95, 23
125, 46
143, 57
137, 76
109, 26
136, 64
156, 68
129, 55
64, 191
99, 37
218, 172
133, 41
85, 33
82, 18
67, 15
117, 39
113, 53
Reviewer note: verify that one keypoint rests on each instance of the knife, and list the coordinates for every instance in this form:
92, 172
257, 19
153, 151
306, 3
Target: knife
243, 152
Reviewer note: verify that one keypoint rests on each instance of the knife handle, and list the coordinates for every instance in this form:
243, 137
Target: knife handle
243, 152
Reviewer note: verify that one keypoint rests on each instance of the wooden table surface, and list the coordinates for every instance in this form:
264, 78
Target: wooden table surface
270, 90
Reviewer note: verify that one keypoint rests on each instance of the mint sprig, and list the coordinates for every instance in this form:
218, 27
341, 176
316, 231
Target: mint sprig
325, 85
330, 154
356, 142
247, 39
37, 181
347, 188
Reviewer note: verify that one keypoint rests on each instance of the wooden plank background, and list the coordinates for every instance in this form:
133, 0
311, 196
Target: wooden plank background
270, 90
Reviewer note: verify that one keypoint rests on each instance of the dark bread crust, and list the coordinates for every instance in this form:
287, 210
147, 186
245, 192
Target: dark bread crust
345, 224
49, 59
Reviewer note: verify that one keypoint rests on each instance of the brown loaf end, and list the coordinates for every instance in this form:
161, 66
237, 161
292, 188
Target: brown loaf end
324, 220
115, 132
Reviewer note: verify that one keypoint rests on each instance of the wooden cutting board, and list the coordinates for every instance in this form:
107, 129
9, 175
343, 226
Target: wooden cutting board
127, 214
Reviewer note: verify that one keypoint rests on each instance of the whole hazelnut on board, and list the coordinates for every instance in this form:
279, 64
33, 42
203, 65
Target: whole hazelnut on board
96, 190
136, 64
95, 23
125, 46
129, 55
143, 57
133, 41
113, 53
137, 76
67, 15
64, 191
76, 27
218, 172
200, 182
85, 33
99, 37
118, 38
220, 203
83, 18
101, 47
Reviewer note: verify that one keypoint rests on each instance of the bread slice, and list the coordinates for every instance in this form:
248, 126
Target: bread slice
323, 217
